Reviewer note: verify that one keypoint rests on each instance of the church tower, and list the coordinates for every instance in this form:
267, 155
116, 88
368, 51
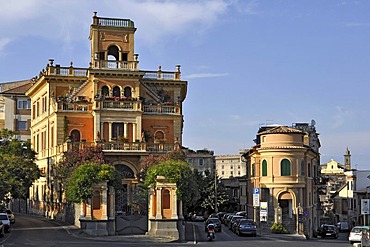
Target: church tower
347, 159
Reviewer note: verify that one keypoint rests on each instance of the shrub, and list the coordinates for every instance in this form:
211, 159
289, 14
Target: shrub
278, 228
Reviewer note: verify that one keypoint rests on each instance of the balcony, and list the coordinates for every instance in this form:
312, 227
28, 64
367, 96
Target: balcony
74, 107
112, 64
122, 147
161, 109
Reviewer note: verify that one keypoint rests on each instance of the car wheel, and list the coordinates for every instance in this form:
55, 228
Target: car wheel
2, 232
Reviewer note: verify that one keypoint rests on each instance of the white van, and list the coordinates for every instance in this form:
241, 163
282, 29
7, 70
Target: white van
343, 226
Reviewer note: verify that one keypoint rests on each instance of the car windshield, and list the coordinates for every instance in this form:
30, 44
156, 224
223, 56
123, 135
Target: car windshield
3, 217
213, 221
356, 229
246, 222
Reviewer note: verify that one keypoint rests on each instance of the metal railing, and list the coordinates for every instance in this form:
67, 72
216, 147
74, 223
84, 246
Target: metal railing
117, 146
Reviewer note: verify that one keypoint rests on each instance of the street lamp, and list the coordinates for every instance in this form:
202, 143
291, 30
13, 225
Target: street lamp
216, 208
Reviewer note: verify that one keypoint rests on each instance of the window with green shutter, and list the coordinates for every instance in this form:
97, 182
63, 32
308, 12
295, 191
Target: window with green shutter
264, 168
285, 167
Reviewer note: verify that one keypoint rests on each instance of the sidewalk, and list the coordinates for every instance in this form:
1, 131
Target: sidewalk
266, 233
122, 238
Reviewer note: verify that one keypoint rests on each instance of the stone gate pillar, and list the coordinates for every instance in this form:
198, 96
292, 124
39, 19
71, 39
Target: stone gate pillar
165, 215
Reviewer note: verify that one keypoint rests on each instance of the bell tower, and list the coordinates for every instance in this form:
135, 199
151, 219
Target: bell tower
347, 159
112, 43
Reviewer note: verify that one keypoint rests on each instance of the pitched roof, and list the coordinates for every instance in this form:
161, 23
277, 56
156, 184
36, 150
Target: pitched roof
281, 130
18, 90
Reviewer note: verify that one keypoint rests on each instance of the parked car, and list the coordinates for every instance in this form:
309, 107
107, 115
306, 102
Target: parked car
6, 222
343, 226
235, 223
197, 217
328, 231
215, 221
232, 220
246, 227
10, 216
1, 229
219, 215
356, 234
228, 219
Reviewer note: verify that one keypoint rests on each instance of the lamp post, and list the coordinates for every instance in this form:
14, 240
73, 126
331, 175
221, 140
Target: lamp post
216, 207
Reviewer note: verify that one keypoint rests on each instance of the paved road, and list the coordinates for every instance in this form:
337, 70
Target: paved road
37, 231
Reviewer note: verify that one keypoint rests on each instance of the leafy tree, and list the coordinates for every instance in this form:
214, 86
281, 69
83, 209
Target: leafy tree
17, 166
210, 188
175, 171
85, 177
73, 158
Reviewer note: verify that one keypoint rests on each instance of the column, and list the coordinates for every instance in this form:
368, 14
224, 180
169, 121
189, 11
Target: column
111, 202
88, 209
104, 202
181, 216
174, 203
159, 204
82, 210
125, 130
110, 132
134, 134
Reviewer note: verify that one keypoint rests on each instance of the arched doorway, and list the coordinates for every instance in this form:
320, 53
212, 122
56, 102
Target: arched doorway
286, 203
131, 203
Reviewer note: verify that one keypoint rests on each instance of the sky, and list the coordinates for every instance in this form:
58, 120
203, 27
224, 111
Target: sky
248, 63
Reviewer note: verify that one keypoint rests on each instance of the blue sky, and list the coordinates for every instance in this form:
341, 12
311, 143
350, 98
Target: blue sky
247, 62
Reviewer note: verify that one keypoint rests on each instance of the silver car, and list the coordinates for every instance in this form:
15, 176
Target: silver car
6, 222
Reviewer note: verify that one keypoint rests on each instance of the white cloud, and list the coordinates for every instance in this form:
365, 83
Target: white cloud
3, 43
340, 117
357, 24
66, 20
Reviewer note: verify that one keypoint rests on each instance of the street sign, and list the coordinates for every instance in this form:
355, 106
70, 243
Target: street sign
263, 211
256, 197
365, 204
256, 200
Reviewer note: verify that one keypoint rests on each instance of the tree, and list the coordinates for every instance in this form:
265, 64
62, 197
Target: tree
17, 166
179, 172
211, 190
73, 158
87, 175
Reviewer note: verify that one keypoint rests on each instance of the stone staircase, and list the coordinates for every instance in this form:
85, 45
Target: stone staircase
289, 224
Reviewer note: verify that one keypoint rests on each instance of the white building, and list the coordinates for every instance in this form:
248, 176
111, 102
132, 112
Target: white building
230, 166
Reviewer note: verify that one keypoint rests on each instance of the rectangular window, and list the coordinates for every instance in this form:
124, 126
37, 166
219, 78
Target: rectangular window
24, 104
201, 162
21, 125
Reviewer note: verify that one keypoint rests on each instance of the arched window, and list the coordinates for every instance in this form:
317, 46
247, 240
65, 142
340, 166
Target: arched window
166, 202
285, 167
159, 136
105, 91
302, 168
75, 136
127, 92
113, 53
264, 168
116, 92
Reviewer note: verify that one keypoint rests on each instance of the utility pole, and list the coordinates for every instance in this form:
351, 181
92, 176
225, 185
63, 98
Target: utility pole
216, 207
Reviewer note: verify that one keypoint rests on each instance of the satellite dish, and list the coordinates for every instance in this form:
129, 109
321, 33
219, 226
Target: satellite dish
313, 122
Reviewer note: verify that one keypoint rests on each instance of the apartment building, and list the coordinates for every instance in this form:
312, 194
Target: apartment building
15, 108
228, 166
201, 160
